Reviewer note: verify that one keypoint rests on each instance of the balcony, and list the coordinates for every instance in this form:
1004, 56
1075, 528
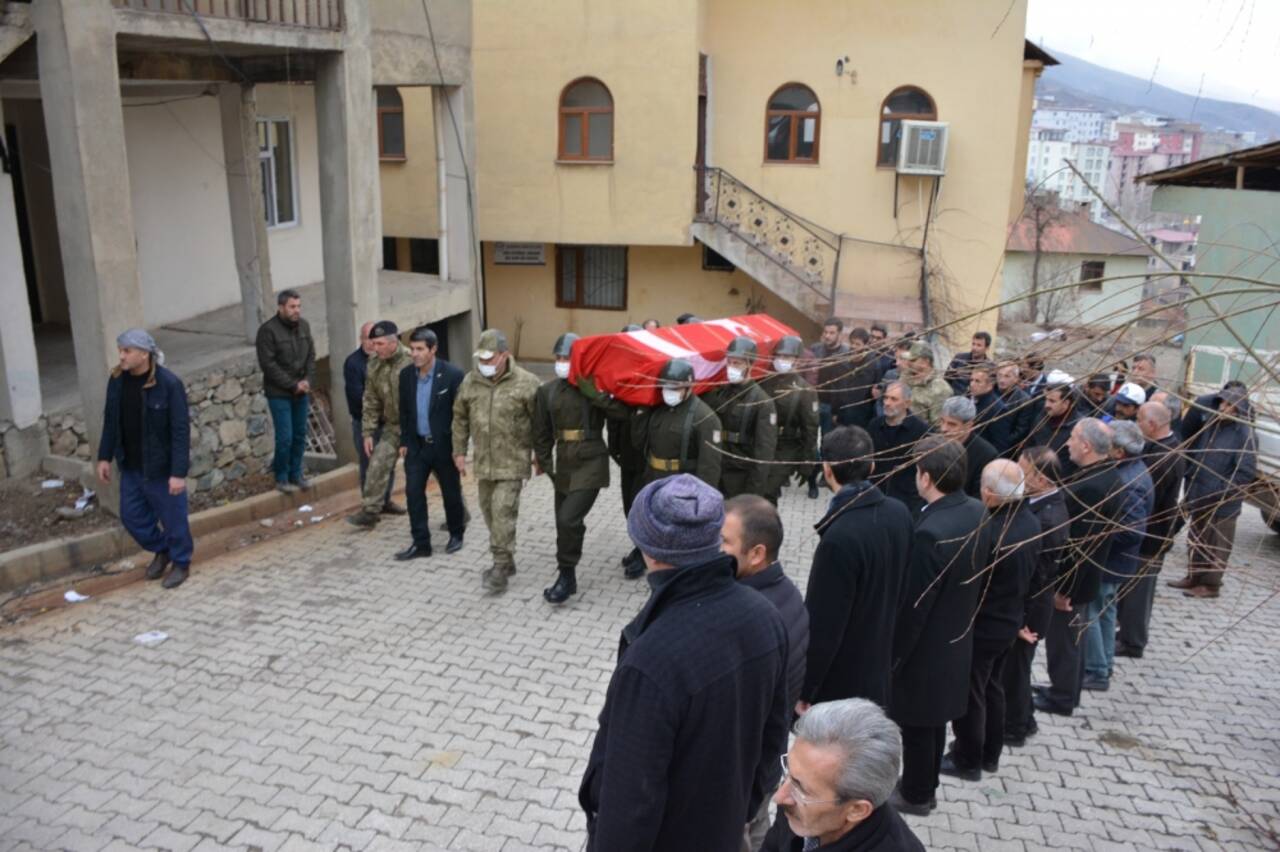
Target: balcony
310, 14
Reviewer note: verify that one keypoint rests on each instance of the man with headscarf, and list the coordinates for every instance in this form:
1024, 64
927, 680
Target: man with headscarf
146, 431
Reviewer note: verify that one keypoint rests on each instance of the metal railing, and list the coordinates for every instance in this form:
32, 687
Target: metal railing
315, 14
811, 256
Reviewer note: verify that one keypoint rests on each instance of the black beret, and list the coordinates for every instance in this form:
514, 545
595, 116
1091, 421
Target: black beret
383, 328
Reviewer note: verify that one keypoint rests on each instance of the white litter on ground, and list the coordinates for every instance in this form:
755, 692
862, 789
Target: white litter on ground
306, 507
52, 483
151, 637
72, 596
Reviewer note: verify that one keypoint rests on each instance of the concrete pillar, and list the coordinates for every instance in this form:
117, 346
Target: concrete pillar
27, 443
80, 90
349, 202
455, 151
239, 107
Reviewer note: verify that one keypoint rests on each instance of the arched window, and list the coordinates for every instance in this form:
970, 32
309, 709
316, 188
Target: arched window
390, 124
791, 125
586, 121
903, 102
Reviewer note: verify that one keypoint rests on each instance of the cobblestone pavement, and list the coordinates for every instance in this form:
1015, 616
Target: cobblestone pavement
315, 693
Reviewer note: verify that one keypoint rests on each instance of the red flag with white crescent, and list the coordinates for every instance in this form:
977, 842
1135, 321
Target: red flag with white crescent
626, 365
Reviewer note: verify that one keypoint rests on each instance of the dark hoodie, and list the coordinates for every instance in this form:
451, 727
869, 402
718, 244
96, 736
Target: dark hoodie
1222, 460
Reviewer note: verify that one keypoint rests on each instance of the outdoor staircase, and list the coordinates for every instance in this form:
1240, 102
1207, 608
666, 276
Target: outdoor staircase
15, 27
795, 259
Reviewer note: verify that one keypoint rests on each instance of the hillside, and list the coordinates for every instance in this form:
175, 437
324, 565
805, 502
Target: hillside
1079, 83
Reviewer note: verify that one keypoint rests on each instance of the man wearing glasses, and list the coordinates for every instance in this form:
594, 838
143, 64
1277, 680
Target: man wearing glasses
836, 783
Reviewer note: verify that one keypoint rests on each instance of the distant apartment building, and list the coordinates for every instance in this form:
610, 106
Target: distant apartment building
1078, 124
1140, 147
1048, 152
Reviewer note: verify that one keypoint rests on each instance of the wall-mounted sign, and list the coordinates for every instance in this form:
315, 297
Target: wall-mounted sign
520, 254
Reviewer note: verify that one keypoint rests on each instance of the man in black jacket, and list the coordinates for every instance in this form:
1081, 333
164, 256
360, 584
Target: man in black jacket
855, 581
856, 406
752, 535
958, 370
1040, 468
958, 423
700, 686
994, 422
893, 436
428, 388
1223, 459
1094, 499
1167, 467
287, 356
839, 777
354, 370
1056, 419
932, 639
146, 431
1015, 551
1020, 409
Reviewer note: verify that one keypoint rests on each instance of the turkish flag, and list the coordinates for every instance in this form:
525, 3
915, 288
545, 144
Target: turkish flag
626, 365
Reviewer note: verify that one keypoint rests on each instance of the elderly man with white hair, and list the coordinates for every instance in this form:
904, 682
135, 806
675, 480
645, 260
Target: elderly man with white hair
957, 421
1121, 571
836, 783
1006, 582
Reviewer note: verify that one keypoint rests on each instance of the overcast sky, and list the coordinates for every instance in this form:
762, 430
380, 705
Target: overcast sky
1234, 44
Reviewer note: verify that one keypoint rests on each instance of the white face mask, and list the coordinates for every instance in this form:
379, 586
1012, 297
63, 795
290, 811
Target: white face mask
672, 396
735, 375
783, 365
487, 370
562, 369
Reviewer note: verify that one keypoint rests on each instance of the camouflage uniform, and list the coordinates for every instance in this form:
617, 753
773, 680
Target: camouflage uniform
683, 439
381, 418
568, 441
750, 436
797, 405
497, 415
927, 396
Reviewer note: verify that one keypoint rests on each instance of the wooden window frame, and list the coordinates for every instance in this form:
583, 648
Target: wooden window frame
1086, 285
795, 115
901, 116
383, 156
580, 289
584, 114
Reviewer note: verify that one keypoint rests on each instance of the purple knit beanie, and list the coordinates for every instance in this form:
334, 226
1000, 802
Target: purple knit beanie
677, 520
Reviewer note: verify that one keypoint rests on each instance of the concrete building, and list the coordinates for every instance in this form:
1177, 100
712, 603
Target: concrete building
722, 156
1141, 147
1048, 153
1078, 124
1056, 263
173, 164
1237, 199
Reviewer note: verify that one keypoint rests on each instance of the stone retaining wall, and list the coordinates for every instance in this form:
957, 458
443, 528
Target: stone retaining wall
231, 434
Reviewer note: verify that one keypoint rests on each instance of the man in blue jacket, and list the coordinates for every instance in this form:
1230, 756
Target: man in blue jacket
145, 430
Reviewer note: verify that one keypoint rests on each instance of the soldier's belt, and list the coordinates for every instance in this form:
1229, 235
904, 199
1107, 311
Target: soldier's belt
664, 465
574, 435
732, 437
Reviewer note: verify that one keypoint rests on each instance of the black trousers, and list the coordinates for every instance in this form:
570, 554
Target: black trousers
980, 731
1018, 709
631, 484
921, 760
572, 508
1065, 649
422, 459
1134, 608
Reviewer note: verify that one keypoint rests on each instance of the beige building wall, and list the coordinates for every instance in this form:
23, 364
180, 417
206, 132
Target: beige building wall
662, 282
410, 200
525, 53
1031, 70
297, 256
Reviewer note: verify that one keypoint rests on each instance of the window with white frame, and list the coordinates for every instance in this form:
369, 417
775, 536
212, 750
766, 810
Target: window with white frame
275, 158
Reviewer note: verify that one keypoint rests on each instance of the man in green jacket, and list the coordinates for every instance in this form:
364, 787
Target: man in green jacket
796, 402
495, 409
287, 355
381, 419
568, 443
750, 424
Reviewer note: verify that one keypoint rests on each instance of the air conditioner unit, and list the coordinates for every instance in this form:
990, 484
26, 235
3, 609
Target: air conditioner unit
922, 148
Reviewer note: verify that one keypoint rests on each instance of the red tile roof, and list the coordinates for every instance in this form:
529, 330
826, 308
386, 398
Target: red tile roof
1073, 233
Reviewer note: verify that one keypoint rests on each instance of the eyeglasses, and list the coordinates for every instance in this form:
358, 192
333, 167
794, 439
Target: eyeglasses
801, 798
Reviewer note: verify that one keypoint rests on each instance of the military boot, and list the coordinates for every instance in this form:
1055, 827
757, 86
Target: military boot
363, 519
566, 584
813, 484
494, 579
633, 565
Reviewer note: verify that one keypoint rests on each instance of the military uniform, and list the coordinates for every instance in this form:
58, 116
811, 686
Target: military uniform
380, 420
750, 436
568, 441
497, 416
630, 461
927, 396
680, 439
796, 403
